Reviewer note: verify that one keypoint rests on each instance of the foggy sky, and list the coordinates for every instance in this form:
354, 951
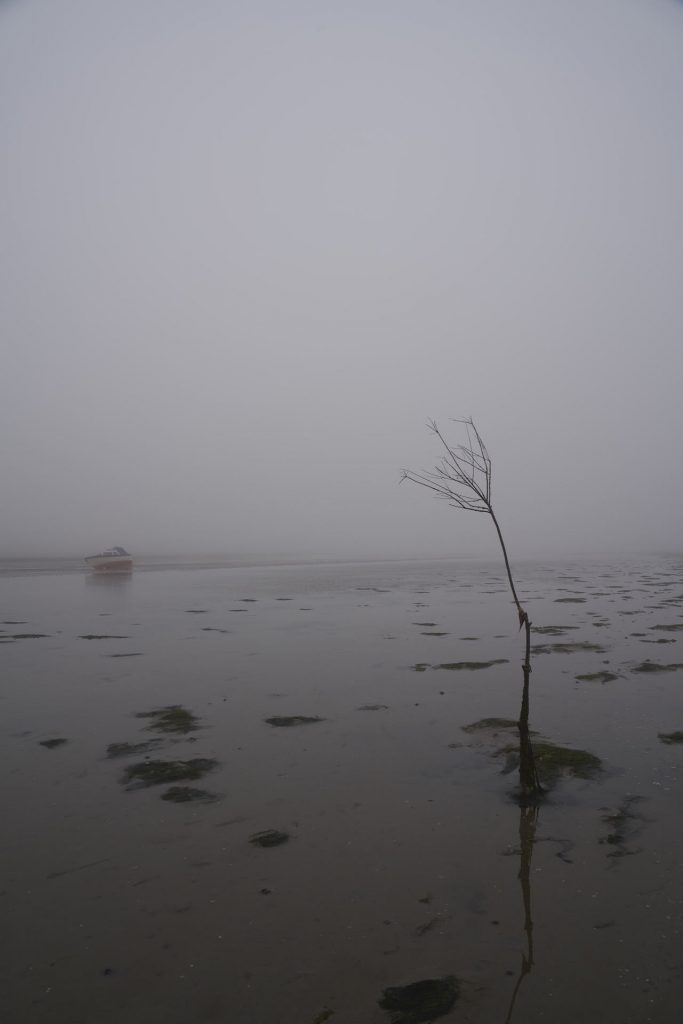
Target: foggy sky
248, 248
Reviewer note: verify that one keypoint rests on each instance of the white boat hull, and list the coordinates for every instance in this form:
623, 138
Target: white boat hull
110, 563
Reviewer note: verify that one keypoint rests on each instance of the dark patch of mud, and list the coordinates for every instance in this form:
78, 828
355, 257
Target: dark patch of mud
323, 1016
215, 629
435, 633
422, 1001
570, 600
269, 837
373, 707
285, 721
196, 611
597, 677
187, 794
53, 744
470, 666
427, 624
29, 636
130, 749
127, 654
102, 636
674, 627
552, 630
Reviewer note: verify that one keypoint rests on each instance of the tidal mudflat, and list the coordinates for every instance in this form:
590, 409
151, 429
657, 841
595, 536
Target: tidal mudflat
345, 867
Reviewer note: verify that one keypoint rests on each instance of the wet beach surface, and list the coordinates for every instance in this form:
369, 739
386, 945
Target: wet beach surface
249, 794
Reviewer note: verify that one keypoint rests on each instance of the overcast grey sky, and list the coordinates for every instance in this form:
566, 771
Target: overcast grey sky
249, 247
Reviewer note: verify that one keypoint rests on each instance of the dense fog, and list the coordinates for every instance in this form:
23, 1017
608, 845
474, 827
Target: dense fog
250, 248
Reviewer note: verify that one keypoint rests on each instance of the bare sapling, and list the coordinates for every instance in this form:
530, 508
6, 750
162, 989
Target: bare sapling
462, 477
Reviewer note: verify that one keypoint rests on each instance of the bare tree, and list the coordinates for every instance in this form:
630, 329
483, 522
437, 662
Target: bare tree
462, 477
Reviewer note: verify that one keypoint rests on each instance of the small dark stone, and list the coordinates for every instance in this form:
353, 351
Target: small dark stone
421, 1002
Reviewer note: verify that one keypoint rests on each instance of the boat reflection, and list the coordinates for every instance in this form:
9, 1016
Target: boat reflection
111, 580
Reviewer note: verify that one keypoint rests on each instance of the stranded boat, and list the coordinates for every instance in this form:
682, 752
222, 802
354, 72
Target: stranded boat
111, 560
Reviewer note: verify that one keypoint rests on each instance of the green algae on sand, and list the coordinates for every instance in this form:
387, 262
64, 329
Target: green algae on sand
597, 677
653, 666
285, 721
157, 773
552, 761
129, 749
422, 1001
485, 724
569, 648
459, 666
671, 737
174, 718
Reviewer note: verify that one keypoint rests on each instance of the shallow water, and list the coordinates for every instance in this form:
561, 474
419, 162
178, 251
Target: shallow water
404, 849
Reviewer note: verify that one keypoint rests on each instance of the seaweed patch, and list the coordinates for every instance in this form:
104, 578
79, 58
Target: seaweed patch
156, 773
174, 718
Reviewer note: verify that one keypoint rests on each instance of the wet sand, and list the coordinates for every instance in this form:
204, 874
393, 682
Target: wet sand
406, 856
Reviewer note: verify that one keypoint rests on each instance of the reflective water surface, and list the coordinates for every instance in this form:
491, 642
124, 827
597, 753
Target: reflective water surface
407, 853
